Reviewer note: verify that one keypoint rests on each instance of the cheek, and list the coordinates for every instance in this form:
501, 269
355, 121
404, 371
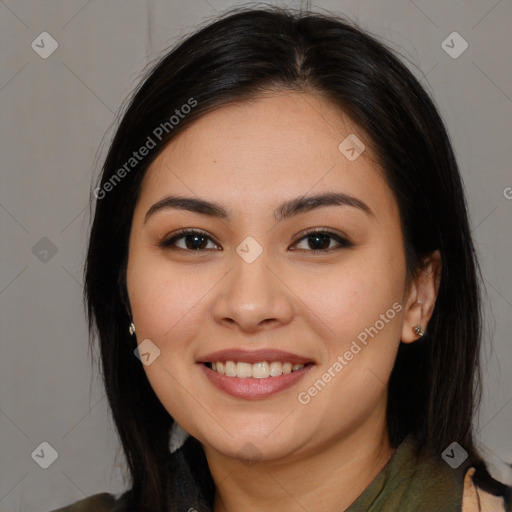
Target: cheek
360, 307
349, 298
164, 299
167, 309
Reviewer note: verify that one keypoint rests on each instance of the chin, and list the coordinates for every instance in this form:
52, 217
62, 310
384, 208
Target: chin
252, 446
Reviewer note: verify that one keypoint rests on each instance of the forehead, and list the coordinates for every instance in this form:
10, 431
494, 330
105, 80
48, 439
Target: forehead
278, 145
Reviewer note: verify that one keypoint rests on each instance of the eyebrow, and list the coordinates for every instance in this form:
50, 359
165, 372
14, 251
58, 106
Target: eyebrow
301, 204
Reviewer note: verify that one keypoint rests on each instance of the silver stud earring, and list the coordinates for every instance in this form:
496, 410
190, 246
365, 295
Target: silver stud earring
418, 330
132, 328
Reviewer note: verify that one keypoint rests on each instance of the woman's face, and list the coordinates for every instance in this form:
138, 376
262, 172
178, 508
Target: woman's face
251, 288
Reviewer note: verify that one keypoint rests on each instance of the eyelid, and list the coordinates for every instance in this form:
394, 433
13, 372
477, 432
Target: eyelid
342, 240
167, 242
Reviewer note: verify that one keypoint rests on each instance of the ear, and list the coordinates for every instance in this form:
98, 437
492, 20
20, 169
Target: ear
421, 297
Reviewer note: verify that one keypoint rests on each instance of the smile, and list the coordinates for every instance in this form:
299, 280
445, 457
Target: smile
254, 374
261, 370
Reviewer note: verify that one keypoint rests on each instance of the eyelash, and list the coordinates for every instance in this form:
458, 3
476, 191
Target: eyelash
343, 242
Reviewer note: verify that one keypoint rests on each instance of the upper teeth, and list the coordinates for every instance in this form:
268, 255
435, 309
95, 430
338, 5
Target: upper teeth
257, 371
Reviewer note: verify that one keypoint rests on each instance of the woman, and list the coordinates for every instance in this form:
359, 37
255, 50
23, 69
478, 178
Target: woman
281, 273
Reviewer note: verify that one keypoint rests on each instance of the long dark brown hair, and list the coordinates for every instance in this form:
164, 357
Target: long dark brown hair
435, 384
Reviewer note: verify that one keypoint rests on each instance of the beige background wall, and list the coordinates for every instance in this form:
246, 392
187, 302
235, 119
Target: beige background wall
55, 112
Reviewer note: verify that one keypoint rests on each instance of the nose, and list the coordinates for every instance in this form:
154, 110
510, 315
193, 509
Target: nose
252, 297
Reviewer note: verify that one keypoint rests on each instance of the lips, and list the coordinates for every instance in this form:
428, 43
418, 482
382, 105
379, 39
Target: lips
254, 374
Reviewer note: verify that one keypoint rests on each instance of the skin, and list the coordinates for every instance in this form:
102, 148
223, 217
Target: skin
276, 453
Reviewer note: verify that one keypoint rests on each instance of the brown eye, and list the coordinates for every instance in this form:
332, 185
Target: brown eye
191, 240
322, 241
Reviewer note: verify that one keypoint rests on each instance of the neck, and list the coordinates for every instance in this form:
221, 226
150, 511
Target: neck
331, 478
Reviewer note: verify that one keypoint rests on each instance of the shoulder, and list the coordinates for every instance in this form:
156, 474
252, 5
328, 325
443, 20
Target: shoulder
103, 502
477, 499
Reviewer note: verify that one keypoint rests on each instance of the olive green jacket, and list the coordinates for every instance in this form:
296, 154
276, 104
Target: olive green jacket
402, 485
474, 500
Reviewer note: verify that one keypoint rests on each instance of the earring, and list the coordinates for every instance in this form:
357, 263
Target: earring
132, 329
418, 330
